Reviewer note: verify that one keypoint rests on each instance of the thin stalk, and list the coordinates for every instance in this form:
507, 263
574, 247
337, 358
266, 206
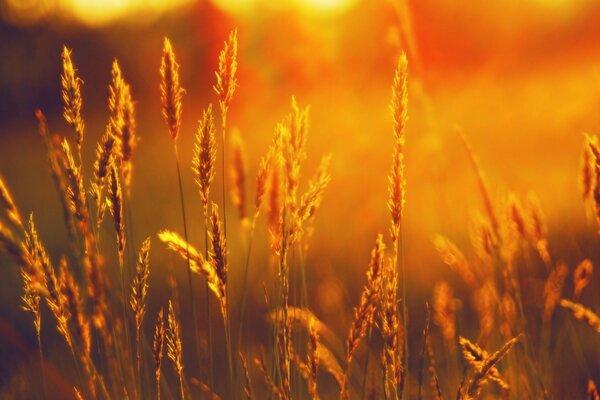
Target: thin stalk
224, 193
208, 312
228, 340
400, 256
189, 268
245, 286
42, 367
224, 187
124, 303
366, 367
139, 360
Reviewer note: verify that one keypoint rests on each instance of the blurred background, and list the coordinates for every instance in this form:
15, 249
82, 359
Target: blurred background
521, 78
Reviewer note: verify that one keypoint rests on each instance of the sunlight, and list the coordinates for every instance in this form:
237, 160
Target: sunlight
90, 12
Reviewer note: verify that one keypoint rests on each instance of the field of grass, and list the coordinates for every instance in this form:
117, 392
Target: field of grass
186, 257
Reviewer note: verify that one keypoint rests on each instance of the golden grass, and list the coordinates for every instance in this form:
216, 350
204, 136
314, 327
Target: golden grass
170, 90
71, 94
510, 242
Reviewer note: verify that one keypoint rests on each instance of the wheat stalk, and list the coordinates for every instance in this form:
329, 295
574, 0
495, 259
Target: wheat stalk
57, 174
115, 205
455, 259
157, 349
204, 159
389, 327
247, 383
104, 154
9, 205
538, 228
238, 176
476, 356
170, 90
397, 194
582, 313
553, 289
444, 307
582, 277
139, 291
197, 262
71, 94
174, 347
484, 370
74, 304
363, 314
31, 303
313, 361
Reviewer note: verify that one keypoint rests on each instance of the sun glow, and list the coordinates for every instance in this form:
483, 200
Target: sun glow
90, 12
315, 6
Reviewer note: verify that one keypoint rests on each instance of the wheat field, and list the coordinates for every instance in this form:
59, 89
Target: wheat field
197, 269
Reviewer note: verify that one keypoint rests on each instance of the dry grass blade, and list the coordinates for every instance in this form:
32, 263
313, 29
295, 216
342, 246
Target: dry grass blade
310, 201
595, 150
9, 205
389, 326
397, 181
538, 227
10, 245
313, 361
582, 277
455, 259
104, 154
517, 218
31, 301
122, 124
158, 349
444, 313
218, 256
434, 382
261, 363
587, 177
262, 179
424, 349
248, 393
582, 313
74, 304
170, 90
57, 173
75, 189
304, 318
71, 94
483, 188
238, 175
226, 73
204, 159
51, 288
363, 314
475, 356
115, 205
129, 138
198, 264
116, 100
139, 286
174, 347
483, 372
553, 289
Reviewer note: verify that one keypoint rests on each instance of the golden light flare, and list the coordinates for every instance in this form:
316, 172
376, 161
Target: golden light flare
89, 12
309, 6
